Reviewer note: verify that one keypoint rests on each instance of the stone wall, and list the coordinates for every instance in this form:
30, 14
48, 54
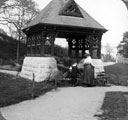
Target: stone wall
42, 67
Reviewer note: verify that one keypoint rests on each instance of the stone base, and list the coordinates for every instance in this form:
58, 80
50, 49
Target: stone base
97, 63
42, 67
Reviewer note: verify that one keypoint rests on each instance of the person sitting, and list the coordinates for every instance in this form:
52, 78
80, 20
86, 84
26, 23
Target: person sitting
73, 73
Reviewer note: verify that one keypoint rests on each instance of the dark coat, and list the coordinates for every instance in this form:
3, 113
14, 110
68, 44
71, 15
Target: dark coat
88, 74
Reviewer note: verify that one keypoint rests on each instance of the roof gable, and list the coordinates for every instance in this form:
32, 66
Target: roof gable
71, 9
55, 14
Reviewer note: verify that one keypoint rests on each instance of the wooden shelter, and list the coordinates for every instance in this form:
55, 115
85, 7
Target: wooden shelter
64, 19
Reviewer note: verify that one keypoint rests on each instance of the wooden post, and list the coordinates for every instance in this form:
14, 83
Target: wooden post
52, 44
77, 49
99, 50
42, 47
83, 49
69, 40
91, 43
31, 50
99, 47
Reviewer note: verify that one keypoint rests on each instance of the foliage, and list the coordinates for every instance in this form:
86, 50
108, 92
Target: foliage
62, 56
8, 48
3, 32
60, 51
2, 2
15, 14
108, 53
123, 46
108, 58
118, 74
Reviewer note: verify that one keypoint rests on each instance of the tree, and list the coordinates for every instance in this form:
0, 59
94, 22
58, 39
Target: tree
8, 53
2, 2
15, 14
2, 31
108, 53
123, 46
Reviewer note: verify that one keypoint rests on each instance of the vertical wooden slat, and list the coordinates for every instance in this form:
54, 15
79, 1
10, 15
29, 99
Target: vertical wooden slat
99, 47
69, 40
83, 49
42, 47
77, 49
52, 43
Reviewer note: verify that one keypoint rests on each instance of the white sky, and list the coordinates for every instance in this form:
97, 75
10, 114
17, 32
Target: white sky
112, 14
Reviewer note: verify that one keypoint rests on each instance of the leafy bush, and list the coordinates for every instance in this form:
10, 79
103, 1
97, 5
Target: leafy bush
8, 49
118, 74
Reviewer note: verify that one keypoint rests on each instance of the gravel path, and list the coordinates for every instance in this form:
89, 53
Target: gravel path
72, 103
9, 72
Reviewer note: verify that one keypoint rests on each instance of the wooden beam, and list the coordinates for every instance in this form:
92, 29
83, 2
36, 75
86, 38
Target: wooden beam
69, 40
52, 37
77, 49
99, 47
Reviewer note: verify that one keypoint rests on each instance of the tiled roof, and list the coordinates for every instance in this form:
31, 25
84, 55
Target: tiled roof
55, 13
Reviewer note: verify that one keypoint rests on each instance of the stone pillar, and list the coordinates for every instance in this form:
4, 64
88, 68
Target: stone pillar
42, 67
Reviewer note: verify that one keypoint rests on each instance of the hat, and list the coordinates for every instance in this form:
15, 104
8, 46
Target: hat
75, 64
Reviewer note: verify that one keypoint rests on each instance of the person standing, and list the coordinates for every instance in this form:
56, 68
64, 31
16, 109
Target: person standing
88, 73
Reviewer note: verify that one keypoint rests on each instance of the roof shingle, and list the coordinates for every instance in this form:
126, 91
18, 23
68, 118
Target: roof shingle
51, 15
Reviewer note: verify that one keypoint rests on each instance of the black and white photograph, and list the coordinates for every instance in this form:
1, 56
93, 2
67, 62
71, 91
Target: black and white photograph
63, 59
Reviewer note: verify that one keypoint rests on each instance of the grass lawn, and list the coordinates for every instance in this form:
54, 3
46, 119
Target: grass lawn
14, 90
115, 103
114, 106
118, 73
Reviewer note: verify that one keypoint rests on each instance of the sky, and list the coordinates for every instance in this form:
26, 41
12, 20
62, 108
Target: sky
112, 14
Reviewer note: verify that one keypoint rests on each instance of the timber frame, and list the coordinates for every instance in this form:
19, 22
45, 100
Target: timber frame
42, 36
64, 19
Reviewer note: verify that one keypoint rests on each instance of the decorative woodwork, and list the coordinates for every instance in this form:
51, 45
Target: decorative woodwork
42, 42
71, 9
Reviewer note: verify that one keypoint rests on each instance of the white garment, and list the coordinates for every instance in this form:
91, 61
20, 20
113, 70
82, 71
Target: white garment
88, 60
70, 69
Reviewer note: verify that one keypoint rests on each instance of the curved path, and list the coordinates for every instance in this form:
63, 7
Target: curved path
71, 103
